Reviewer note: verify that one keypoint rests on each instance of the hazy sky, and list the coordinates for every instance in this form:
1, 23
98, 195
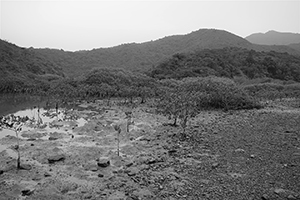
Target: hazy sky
78, 25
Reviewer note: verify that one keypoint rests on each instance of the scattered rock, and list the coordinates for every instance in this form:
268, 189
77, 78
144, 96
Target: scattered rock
88, 196
215, 165
239, 150
1, 171
132, 171
236, 175
172, 151
100, 175
25, 167
46, 174
103, 162
279, 191
117, 196
153, 160
94, 169
91, 167
265, 197
143, 194
204, 181
53, 138
56, 158
27, 192
129, 164
291, 197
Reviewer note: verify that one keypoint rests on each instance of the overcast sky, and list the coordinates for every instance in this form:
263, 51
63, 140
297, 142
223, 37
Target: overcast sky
84, 25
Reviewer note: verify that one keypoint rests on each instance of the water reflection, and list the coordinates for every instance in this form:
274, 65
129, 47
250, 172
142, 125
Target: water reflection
45, 121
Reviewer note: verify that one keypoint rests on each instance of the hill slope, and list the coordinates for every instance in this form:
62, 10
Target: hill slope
230, 62
20, 67
142, 57
274, 38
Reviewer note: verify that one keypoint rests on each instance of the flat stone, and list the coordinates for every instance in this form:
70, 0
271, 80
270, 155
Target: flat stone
132, 171
143, 194
56, 158
117, 196
53, 138
129, 164
25, 167
279, 191
103, 162
46, 174
239, 150
291, 197
27, 192
204, 181
265, 197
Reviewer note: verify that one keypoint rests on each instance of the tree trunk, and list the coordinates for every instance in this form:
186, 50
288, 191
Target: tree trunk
18, 150
175, 121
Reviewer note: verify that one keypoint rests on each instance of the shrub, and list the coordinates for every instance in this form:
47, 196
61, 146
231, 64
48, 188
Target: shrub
220, 93
272, 91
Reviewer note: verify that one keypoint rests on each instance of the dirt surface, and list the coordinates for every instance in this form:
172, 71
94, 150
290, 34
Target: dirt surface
247, 154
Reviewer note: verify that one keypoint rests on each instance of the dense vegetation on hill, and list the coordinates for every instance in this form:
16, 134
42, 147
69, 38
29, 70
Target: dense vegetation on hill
106, 83
230, 62
137, 70
22, 69
142, 57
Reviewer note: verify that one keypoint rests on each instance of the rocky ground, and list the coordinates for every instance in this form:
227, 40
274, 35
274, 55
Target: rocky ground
247, 154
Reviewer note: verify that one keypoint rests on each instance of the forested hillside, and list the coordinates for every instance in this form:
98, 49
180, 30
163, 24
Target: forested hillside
22, 68
133, 69
143, 57
230, 62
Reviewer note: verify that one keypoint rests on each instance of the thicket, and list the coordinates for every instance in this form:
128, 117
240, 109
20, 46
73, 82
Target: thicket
106, 83
183, 99
273, 91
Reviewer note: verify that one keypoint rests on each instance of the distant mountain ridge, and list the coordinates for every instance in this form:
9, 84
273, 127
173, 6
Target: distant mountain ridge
144, 56
274, 38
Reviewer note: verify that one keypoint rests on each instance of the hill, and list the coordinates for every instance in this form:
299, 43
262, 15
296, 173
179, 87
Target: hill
274, 38
230, 62
144, 56
22, 68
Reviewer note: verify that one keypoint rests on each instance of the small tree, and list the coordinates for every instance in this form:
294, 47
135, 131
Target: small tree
14, 123
128, 117
118, 129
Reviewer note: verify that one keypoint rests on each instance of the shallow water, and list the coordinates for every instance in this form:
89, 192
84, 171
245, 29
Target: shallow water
48, 117
60, 121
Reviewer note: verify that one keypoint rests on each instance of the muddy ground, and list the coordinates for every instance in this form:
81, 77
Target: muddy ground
246, 154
